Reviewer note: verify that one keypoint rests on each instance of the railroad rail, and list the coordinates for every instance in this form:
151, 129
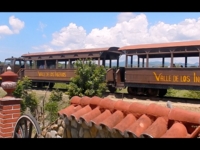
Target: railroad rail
166, 98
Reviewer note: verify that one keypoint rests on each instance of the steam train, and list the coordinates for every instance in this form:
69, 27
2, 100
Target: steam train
48, 68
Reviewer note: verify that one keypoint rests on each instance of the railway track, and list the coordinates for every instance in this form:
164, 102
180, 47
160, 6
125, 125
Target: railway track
166, 98
140, 97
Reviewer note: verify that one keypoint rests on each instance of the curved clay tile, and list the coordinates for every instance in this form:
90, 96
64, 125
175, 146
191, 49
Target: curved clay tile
69, 110
122, 106
157, 129
184, 116
95, 101
136, 129
80, 112
75, 100
177, 130
85, 100
107, 103
137, 109
89, 116
157, 110
124, 124
100, 118
195, 133
112, 120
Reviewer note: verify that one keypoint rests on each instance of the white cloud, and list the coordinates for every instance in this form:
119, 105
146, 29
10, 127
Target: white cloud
126, 16
71, 37
16, 26
5, 30
129, 29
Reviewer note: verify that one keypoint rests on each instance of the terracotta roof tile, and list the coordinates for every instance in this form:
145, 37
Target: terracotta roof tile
90, 115
122, 106
76, 115
132, 119
184, 116
112, 120
125, 123
75, 100
96, 121
69, 110
138, 127
156, 129
157, 110
95, 101
177, 130
107, 103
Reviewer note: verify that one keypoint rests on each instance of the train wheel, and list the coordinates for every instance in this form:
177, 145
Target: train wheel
112, 89
132, 91
162, 92
152, 92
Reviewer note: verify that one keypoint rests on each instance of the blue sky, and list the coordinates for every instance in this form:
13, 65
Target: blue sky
21, 33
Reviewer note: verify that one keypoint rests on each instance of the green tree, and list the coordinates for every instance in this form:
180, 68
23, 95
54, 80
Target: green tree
89, 79
52, 108
56, 95
52, 105
29, 99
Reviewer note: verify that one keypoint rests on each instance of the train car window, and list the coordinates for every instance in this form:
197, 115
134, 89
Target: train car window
29, 64
17, 62
9, 62
51, 64
40, 64
72, 64
22, 63
62, 64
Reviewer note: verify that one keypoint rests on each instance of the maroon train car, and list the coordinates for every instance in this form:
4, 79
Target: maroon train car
143, 79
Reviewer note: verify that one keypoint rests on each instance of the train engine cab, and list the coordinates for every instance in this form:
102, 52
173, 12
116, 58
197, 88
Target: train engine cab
16, 64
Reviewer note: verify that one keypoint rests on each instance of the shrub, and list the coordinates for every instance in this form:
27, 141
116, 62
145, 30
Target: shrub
89, 79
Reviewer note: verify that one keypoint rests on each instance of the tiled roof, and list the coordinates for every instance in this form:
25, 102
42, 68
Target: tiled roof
132, 119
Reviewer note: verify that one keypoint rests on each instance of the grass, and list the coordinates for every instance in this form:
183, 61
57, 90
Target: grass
122, 90
177, 93
64, 86
60, 86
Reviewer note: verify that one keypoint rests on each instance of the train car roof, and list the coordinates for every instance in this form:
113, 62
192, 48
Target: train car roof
78, 51
14, 58
161, 45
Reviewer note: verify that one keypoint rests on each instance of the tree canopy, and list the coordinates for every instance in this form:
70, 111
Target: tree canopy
89, 79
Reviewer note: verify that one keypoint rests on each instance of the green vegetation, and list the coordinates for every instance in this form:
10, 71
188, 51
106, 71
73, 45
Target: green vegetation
45, 110
29, 99
60, 86
183, 93
52, 105
89, 80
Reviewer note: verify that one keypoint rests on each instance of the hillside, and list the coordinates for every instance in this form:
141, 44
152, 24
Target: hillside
154, 64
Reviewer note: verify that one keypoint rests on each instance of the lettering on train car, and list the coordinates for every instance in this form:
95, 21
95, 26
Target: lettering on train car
52, 74
160, 77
